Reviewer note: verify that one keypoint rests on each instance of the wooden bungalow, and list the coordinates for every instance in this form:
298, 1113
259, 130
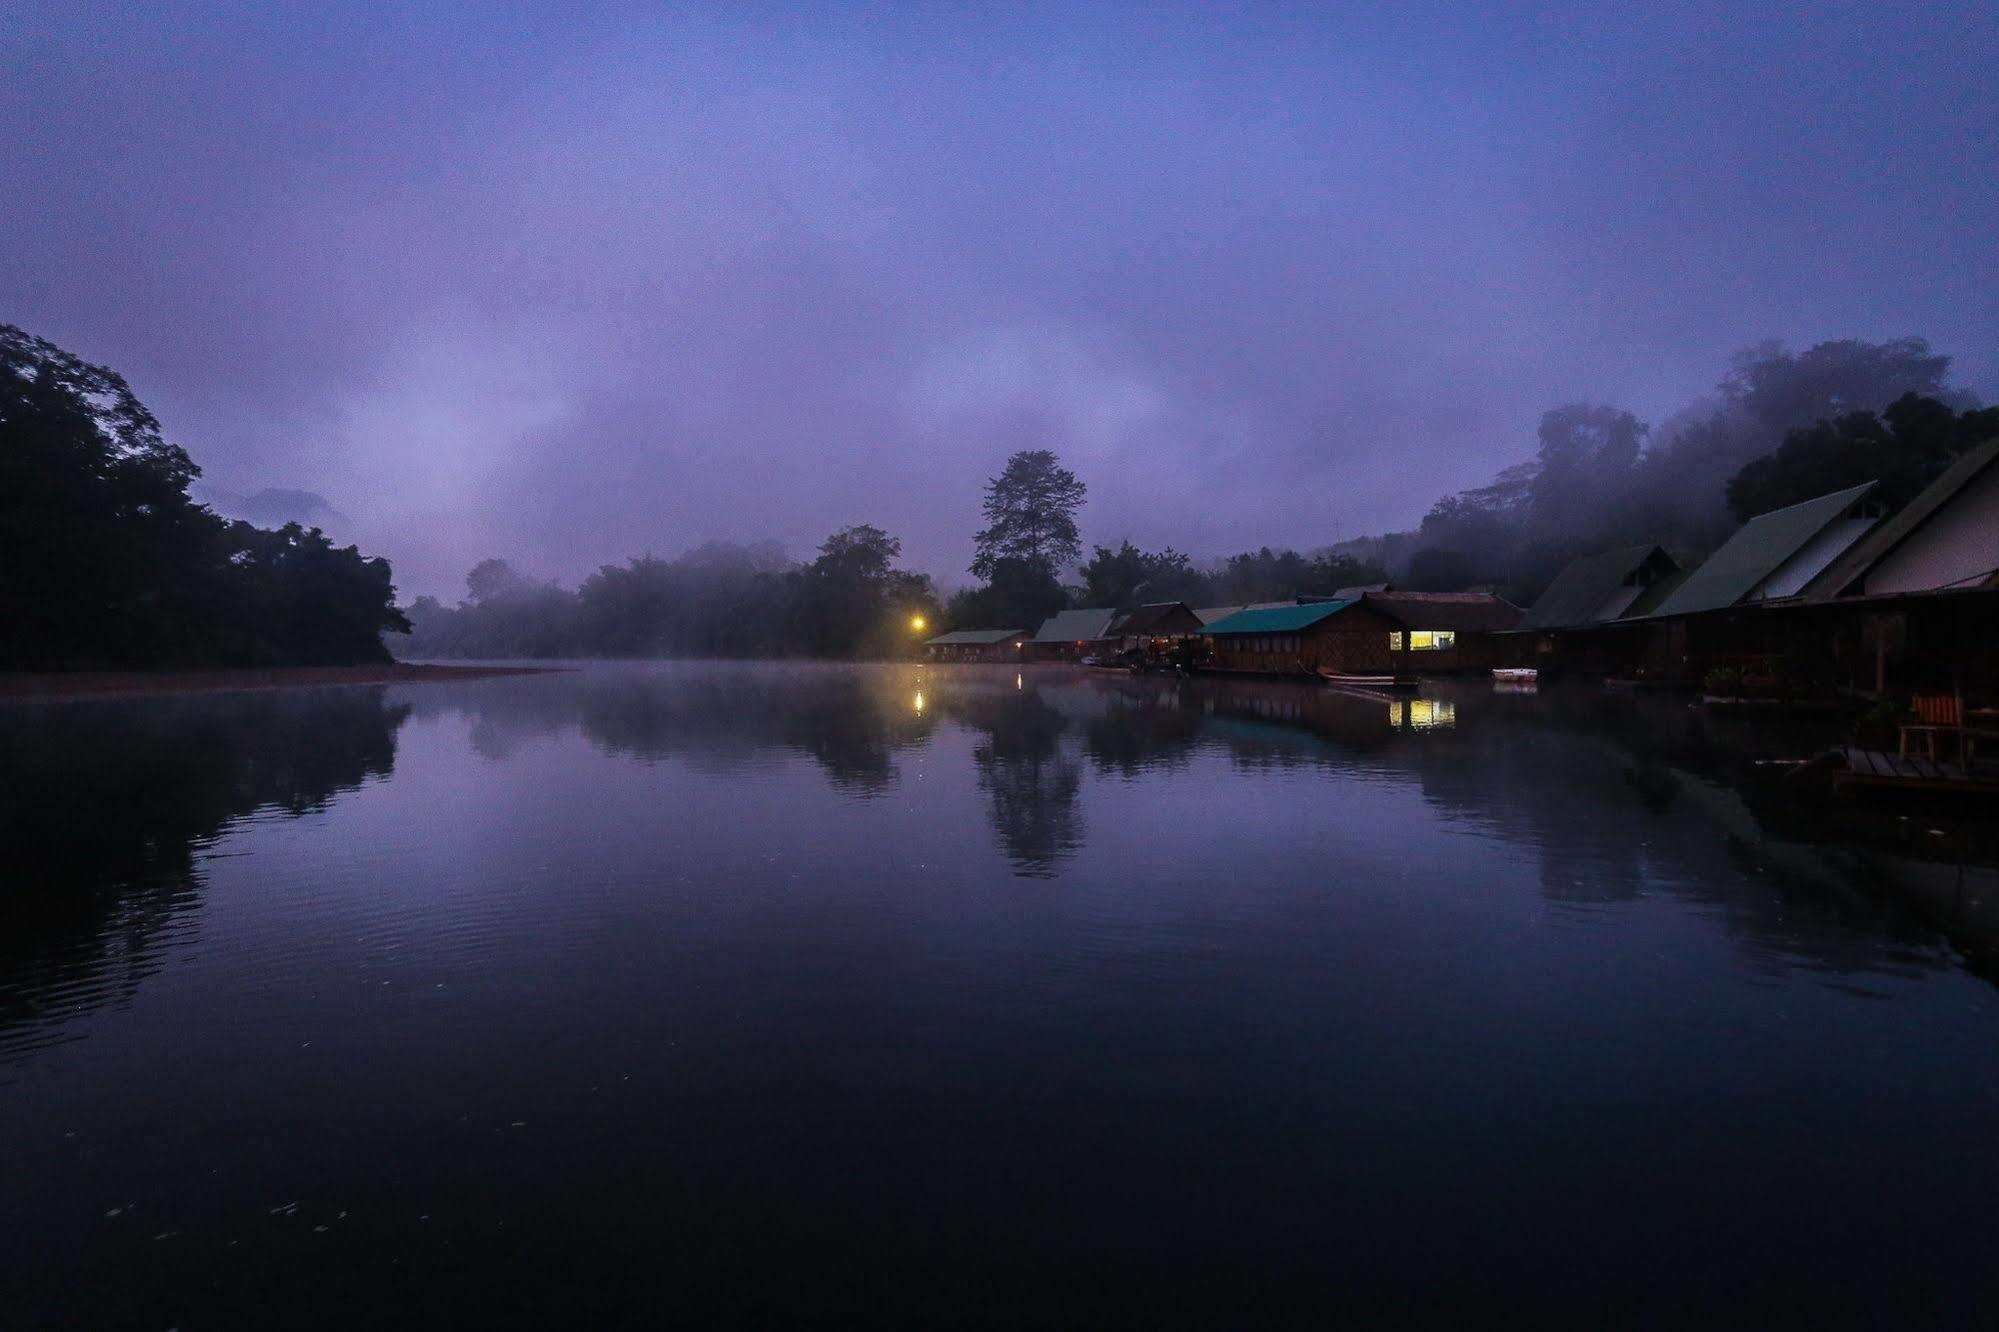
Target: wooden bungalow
1946, 537
1609, 585
977, 645
1155, 625
1072, 635
1445, 632
1776, 554
1343, 637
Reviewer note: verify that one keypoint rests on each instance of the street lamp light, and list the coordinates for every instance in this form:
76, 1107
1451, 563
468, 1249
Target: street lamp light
917, 622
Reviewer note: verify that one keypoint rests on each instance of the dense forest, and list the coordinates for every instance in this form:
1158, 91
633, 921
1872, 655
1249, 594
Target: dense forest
105, 560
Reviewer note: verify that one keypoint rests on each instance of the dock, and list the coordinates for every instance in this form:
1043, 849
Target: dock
1878, 768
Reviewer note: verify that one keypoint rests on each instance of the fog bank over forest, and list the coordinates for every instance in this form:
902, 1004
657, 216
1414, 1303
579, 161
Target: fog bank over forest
515, 282
1779, 427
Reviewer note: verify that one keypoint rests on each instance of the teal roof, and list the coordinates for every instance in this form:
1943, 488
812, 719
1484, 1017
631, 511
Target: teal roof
1276, 619
1755, 551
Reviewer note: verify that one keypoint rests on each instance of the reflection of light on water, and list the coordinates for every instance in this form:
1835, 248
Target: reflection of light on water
919, 700
1020, 682
1424, 714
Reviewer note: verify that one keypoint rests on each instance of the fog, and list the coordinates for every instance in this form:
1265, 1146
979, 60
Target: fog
572, 286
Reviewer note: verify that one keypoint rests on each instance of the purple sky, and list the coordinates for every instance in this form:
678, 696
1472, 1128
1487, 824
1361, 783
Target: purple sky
567, 284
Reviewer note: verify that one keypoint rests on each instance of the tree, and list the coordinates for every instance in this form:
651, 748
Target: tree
300, 599
1437, 569
1781, 390
1129, 576
128, 569
1030, 510
853, 601
493, 580
1018, 595
1903, 449
1586, 452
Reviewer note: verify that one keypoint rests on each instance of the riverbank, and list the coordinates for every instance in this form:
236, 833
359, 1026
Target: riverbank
26, 688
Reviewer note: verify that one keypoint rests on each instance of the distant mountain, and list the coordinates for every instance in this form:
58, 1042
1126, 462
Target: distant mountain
273, 507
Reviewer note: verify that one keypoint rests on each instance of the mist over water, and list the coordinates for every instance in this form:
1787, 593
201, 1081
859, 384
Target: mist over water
723, 990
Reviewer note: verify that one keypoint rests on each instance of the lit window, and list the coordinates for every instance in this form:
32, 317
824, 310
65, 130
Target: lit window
1422, 639
1395, 641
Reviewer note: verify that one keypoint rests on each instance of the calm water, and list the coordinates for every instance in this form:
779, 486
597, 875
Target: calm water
724, 994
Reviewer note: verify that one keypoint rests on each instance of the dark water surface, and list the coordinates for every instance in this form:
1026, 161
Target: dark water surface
707, 995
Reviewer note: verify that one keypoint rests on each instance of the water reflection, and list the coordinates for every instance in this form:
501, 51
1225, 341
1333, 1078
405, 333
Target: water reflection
106, 808
1623, 799
853, 722
1027, 773
1423, 714
665, 959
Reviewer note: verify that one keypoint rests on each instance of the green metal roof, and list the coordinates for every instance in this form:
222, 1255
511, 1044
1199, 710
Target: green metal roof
1861, 557
973, 637
1076, 626
1277, 619
1755, 551
1583, 591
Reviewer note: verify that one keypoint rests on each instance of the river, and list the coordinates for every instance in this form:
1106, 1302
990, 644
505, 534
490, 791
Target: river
730, 994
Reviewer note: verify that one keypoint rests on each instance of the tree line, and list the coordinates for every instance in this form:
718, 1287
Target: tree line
728, 600
717, 600
130, 571
1780, 427
105, 561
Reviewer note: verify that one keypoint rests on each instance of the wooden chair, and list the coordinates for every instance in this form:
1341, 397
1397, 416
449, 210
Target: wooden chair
1936, 715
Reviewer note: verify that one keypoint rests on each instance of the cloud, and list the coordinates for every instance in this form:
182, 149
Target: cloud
570, 285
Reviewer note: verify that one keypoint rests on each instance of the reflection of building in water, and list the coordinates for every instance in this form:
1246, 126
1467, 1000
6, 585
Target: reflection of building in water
1423, 714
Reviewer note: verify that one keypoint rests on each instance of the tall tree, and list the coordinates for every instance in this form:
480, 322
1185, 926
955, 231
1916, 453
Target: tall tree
1030, 510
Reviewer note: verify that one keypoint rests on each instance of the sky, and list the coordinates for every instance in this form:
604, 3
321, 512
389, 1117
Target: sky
567, 284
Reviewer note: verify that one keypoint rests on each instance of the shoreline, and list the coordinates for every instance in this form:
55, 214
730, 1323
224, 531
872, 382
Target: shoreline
57, 686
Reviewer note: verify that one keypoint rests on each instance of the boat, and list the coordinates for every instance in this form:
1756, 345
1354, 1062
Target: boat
1516, 675
1367, 681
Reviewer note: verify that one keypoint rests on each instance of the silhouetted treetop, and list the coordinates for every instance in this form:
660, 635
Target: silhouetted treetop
1030, 510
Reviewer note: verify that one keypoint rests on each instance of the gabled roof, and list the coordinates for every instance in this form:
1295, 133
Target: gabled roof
1756, 550
1360, 590
1276, 619
1653, 597
973, 637
1590, 589
1460, 612
1142, 619
1860, 558
1076, 626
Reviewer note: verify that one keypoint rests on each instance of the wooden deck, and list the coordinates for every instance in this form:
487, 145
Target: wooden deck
1875, 767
